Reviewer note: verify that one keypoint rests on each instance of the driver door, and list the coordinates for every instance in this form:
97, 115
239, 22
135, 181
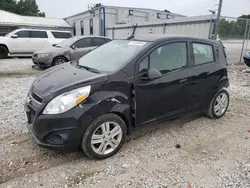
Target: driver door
81, 48
21, 44
163, 97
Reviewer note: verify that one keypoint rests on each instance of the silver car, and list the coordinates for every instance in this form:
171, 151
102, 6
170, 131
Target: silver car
68, 50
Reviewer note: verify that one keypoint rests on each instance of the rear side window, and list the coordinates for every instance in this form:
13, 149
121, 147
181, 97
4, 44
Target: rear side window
83, 43
23, 34
61, 35
39, 34
203, 53
98, 41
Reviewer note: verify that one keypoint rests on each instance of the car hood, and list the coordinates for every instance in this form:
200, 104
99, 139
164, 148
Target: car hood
63, 78
52, 49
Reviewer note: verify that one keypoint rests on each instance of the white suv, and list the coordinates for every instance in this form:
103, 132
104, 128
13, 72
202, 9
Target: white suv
26, 41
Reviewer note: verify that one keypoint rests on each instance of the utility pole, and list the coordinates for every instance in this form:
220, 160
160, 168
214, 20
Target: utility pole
218, 20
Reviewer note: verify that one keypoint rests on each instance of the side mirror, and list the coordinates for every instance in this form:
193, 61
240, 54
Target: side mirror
73, 47
14, 36
154, 74
54, 45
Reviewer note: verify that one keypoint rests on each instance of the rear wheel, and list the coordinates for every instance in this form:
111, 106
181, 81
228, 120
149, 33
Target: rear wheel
104, 137
219, 105
59, 60
3, 52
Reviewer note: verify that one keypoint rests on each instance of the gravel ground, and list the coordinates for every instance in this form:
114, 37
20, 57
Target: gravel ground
14, 64
212, 153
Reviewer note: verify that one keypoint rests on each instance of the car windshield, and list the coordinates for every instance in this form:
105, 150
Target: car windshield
67, 42
111, 56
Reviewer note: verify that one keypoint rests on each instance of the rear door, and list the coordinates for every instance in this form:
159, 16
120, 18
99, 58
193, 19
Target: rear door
39, 40
204, 75
81, 48
21, 44
166, 96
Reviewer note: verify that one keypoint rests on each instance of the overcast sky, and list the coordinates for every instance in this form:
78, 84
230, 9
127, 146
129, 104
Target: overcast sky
64, 8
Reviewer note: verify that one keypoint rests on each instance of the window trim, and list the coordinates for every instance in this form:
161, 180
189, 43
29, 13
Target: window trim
203, 43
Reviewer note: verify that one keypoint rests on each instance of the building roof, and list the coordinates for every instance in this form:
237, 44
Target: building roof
132, 8
9, 19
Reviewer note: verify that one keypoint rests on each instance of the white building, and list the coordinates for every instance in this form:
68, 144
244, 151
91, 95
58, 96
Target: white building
10, 21
96, 20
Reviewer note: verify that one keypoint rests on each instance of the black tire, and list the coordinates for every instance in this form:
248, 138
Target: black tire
3, 52
86, 141
211, 111
59, 58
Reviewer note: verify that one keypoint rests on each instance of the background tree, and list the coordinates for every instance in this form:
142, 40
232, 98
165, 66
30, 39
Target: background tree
233, 28
22, 7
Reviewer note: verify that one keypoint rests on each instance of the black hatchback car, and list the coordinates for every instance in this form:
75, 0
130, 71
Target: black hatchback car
94, 103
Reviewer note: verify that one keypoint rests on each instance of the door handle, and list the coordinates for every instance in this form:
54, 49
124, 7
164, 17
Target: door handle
183, 81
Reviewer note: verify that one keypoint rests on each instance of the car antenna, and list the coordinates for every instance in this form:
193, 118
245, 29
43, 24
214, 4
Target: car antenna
133, 33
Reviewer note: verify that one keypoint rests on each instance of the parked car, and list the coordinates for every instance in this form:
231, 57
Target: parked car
26, 41
124, 85
68, 50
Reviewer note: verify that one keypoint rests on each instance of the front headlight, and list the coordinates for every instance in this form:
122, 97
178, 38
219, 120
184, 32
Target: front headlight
43, 55
67, 101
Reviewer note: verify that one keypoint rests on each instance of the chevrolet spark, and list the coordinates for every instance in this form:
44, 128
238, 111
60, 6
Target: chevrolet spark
92, 104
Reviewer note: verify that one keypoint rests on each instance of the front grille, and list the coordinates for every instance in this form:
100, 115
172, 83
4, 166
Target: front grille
36, 97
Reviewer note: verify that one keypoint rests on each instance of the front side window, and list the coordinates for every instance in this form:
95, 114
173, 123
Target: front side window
83, 43
23, 34
203, 53
166, 58
112, 55
39, 34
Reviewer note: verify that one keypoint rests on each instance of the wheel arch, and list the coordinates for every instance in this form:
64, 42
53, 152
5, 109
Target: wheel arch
4, 45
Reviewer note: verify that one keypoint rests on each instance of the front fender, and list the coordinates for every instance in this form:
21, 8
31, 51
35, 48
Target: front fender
104, 102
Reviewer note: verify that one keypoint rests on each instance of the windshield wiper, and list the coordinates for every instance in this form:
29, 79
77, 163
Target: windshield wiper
88, 68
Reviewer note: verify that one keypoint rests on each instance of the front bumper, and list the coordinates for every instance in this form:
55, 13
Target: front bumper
42, 61
58, 132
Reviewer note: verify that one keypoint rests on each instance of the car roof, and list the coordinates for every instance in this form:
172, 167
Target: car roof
91, 36
27, 29
159, 37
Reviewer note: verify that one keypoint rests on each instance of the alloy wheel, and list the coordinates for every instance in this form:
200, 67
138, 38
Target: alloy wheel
59, 61
221, 103
106, 138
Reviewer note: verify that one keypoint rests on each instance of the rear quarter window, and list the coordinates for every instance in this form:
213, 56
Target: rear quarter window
203, 53
61, 35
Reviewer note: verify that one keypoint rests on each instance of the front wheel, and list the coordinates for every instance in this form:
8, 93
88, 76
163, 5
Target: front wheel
104, 137
59, 60
3, 52
219, 105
